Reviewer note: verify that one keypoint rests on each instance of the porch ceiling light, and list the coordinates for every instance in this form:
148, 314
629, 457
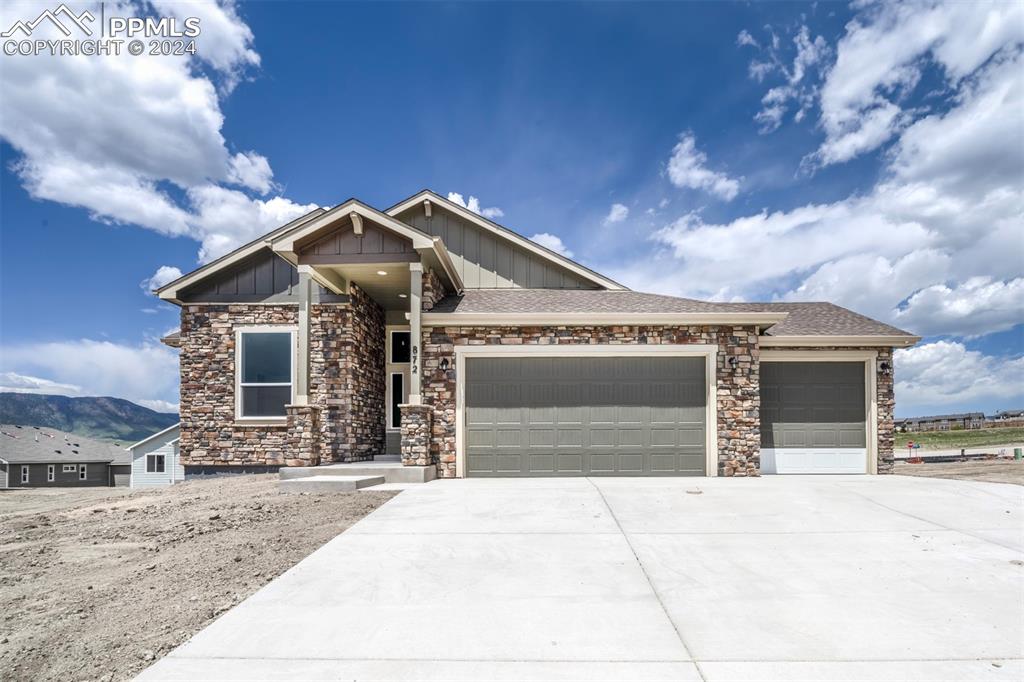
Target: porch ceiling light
381, 273
403, 296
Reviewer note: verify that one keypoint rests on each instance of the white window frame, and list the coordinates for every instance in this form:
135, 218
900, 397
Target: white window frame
24, 473
391, 396
50, 473
83, 472
163, 467
292, 330
69, 468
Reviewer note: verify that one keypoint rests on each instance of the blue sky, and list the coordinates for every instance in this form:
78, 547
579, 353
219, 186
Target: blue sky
869, 155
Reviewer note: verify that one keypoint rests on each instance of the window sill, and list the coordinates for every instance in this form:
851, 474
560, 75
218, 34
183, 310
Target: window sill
261, 421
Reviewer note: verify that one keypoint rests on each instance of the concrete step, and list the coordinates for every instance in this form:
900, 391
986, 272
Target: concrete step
328, 484
391, 471
388, 458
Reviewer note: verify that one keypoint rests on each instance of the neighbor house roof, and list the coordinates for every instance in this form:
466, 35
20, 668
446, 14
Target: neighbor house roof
170, 433
40, 445
787, 322
941, 417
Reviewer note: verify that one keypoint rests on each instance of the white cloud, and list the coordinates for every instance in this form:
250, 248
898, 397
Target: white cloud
163, 275
688, 168
949, 208
810, 54
474, 205
251, 170
148, 371
617, 213
977, 306
159, 405
883, 54
553, 242
744, 38
12, 382
116, 135
943, 373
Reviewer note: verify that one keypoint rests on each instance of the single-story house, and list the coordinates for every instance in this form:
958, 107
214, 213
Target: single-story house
1006, 418
430, 331
37, 457
943, 422
155, 459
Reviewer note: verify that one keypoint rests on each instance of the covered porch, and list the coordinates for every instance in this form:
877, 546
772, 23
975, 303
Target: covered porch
390, 273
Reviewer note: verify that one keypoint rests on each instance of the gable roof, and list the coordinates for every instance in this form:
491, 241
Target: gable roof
166, 431
41, 445
169, 291
506, 234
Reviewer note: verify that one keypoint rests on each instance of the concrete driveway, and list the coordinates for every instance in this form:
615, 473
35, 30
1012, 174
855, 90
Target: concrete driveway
686, 579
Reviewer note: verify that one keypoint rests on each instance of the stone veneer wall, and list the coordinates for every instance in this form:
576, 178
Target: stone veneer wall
416, 429
209, 434
433, 290
885, 398
346, 383
739, 398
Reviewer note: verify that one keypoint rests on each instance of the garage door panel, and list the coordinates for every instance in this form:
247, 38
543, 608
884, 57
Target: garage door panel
810, 411
580, 416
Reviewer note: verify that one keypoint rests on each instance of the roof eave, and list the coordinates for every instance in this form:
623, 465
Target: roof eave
581, 319
797, 340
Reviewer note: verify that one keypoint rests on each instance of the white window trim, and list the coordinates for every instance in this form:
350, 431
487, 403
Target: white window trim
83, 472
263, 329
870, 360
708, 351
24, 473
50, 473
392, 375
154, 455
69, 468
392, 330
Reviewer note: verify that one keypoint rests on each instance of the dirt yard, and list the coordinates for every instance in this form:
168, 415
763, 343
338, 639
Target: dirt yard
98, 583
992, 470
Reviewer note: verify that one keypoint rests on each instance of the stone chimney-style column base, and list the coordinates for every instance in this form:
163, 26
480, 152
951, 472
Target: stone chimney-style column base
303, 436
417, 421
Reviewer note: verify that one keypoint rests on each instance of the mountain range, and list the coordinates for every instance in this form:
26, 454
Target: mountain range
106, 418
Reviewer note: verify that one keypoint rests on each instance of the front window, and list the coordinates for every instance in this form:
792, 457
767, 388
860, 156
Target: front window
400, 346
68, 468
265, 373
83, 472
49, 472
24, 474
154, 464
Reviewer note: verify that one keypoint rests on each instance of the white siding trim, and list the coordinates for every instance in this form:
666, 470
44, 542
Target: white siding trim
708, 351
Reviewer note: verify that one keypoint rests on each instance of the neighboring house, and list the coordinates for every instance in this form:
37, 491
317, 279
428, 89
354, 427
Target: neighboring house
430, 331
36, 457
1007, 418
155, 460
943, 422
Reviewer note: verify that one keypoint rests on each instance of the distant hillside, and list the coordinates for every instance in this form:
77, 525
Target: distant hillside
106, 418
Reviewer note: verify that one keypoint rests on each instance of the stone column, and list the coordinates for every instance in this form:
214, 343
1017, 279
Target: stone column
417, 422
415, 330
303, 436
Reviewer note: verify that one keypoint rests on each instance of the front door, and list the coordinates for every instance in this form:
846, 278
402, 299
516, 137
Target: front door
397, 391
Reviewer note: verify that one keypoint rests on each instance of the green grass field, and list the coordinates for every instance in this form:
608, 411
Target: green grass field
950, 440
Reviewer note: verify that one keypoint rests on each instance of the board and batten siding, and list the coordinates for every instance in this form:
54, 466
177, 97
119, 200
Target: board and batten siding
167, 445
486, 261
263, 277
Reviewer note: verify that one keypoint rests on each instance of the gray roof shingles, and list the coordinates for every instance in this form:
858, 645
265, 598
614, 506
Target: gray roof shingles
39, 445
810, 319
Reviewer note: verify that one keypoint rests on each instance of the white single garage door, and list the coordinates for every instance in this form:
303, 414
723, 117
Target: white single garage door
813, 418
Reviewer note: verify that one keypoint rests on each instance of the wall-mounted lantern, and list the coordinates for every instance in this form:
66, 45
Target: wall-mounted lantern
885, 367
444, 364
733, 361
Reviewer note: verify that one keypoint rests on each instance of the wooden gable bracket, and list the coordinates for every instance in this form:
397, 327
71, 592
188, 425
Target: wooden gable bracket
426, 207
357, 223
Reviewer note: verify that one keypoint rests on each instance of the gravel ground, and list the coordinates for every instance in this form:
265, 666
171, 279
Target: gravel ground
991, 470
98, 583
